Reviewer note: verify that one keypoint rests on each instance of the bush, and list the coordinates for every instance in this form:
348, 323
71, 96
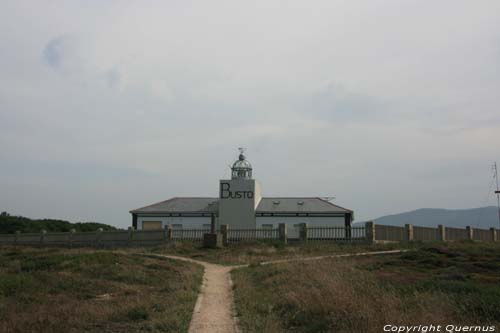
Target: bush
138, 313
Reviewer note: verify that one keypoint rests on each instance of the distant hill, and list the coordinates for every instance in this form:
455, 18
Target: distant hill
484, 217
10, 224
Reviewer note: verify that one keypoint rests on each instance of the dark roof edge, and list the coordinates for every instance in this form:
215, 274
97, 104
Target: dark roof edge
328, 202
156, 203
137, 210
299, 212
177, 212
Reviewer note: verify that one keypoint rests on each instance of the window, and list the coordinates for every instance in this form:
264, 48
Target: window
207, 226
267, 226
151, 225
176, 226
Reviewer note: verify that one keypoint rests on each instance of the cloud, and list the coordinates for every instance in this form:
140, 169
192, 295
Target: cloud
60, 51
335, 103
359, 101
113, 78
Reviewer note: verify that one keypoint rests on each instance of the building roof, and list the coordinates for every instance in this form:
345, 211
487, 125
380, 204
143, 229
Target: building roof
181, 205
266, 205
298, 205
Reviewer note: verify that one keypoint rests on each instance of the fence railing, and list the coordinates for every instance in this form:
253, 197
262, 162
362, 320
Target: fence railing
389, 233
369, 232
193, 235
379, 232
481, 235
455, 234
336, 233
242, 235
425, 233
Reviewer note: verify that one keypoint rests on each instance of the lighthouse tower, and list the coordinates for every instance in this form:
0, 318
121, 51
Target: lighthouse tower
239, 196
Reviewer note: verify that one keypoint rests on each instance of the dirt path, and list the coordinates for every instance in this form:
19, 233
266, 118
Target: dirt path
332, 256
214, 309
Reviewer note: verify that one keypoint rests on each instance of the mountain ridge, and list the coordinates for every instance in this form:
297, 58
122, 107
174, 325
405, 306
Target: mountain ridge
481, 217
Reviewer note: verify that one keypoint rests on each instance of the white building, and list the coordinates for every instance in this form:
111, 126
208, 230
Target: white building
241, 206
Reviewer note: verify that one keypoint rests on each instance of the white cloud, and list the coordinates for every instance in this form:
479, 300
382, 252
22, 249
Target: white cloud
364, 101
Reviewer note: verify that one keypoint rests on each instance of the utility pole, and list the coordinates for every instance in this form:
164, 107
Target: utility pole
497, 192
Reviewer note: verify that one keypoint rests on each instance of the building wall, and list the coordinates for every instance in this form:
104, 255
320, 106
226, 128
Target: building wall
291, 221
187, 222
238, 199
197, 222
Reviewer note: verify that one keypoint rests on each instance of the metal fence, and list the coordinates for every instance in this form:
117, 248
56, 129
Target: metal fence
193, 235
336, 233
368, 232
242, 235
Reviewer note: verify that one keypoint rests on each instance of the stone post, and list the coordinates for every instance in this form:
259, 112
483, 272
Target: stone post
494, 236
224, 228
170, 234
165, 233
212, 224
282, 232
42, 236
99, 237
130, 236
303, 232
71, 236
470, 232
408, 232
441, 233
370, 232
348, 233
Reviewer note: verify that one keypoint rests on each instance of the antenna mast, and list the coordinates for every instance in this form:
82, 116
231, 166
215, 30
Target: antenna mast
497, 192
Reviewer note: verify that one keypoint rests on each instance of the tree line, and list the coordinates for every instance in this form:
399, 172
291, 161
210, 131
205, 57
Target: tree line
9, 224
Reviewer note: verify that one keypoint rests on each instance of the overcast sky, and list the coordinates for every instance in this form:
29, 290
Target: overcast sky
107, 106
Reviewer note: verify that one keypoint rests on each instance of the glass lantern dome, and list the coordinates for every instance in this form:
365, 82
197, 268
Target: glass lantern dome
241, 168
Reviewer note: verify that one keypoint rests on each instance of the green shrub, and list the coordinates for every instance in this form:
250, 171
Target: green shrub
138, 313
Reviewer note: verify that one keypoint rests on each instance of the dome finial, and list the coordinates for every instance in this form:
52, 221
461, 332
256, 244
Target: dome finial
241, 168
242, 156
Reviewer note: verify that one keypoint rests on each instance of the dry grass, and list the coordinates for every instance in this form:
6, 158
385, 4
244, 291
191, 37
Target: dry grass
363, 294
255, 252
61, 290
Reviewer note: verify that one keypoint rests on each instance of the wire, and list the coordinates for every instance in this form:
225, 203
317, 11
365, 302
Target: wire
486, 201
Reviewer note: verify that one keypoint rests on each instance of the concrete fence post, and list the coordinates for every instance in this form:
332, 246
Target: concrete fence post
170, 233
99, 237
303, 232
16, 238
441, 233
409, 232
282, 232
224, 229
71, 236
494, 236
370, 232
470, 232
42, 236
130, 236
348, 233
165, 233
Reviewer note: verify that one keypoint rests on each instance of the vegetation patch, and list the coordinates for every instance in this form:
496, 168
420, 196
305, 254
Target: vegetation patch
455, 283
62, 290
256, 252
9, 224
